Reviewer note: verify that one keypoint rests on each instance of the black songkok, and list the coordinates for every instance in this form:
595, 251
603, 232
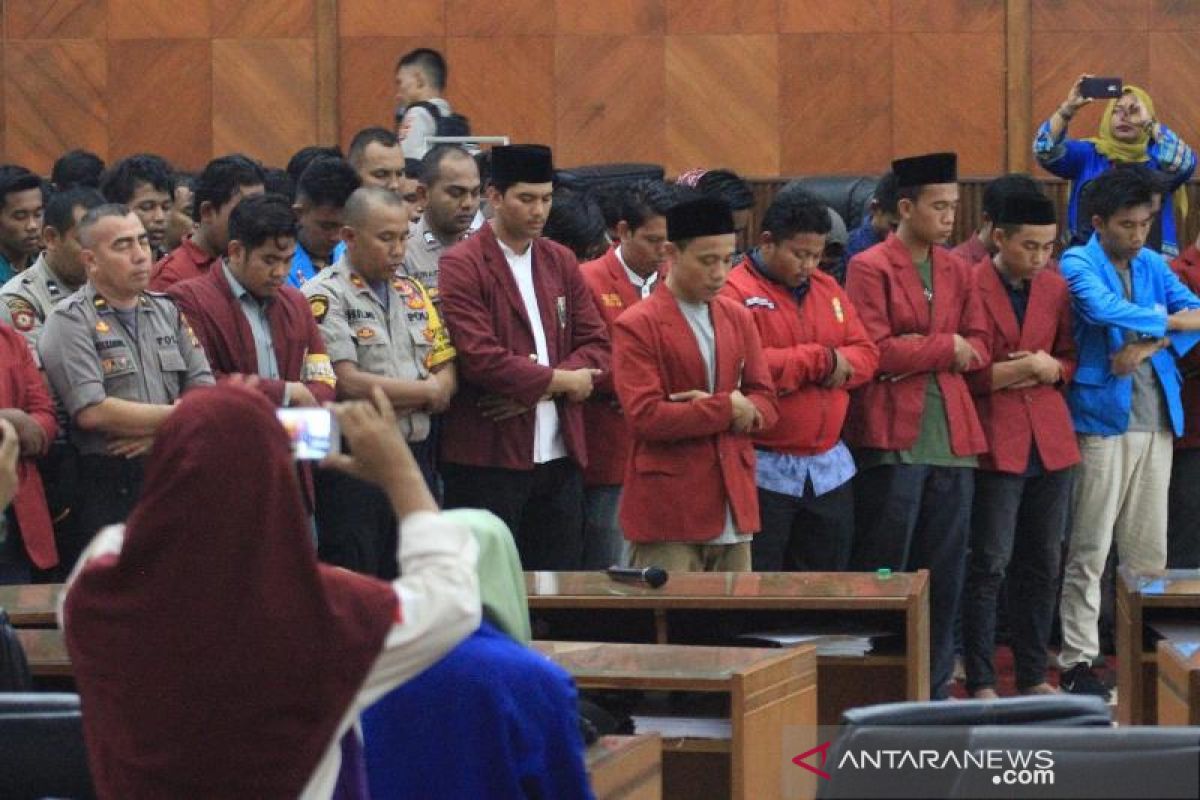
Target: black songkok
925, 170
522, 163
1027, 208
701, 216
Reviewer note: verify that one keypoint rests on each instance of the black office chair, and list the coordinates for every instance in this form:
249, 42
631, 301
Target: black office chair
592, 176
942, 726
42, 752
846, 194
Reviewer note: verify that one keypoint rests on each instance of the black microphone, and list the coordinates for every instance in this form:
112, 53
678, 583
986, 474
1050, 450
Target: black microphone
653, 577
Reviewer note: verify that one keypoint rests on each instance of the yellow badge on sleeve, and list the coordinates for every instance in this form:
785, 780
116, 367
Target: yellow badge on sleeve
318, 368
319, 304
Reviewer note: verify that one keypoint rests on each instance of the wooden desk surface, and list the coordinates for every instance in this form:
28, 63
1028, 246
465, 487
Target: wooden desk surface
1179, 682
1137, 593
765, 590
31, 604
626, 767
46, 652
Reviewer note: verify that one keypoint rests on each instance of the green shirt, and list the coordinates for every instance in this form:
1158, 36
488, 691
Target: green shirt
932, 447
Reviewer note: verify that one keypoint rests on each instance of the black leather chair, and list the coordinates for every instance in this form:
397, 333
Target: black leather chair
846, 194
593, 175
42, 752
943, 726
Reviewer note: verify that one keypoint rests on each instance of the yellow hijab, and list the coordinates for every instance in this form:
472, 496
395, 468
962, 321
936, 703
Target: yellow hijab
1137, 151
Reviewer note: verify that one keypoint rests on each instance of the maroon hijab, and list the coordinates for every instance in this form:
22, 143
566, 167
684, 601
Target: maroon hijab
214, 656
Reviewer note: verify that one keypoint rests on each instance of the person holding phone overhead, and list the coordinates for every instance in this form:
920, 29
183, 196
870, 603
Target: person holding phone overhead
1130, 133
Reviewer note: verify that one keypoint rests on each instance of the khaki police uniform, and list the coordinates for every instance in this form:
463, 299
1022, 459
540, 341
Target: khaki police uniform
424, 250
404, 339
29, 297
89, 356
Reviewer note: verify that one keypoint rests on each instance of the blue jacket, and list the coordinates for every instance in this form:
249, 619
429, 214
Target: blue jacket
1100, 401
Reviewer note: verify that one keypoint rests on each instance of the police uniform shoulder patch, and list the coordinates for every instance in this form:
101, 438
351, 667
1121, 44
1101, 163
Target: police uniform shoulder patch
319, 304
24, 317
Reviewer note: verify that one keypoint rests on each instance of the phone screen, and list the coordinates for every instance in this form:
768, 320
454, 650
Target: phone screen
312, 431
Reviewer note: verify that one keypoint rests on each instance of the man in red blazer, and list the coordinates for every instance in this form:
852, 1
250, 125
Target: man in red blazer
915, 424
530, 343
1183, 512
622, 277
28, 537
693, 380
1023, 486
817, 351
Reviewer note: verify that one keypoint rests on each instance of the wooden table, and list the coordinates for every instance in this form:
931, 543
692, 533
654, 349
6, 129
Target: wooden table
31, 605
772, 706
46, 652
626, 767
1178, 682
713, 607
1144, 597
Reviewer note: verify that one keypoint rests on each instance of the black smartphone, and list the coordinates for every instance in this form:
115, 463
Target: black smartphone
1097, 88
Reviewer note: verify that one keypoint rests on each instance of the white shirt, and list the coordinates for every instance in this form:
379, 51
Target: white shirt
548, 441
643, 285
439, 603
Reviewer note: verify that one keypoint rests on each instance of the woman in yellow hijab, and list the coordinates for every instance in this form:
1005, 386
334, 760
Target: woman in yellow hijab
1130, 134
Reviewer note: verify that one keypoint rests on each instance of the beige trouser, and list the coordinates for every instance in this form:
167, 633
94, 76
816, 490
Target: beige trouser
686, 557
1120, 491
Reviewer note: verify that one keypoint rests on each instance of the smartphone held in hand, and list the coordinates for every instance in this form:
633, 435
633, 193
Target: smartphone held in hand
1101, 88
313, 432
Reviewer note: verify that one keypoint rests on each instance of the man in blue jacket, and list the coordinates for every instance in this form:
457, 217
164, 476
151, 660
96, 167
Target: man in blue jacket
1132, 319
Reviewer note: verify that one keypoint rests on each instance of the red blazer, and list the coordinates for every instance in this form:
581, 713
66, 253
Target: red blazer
604, 425
885, 287
798, 343
685, 463
22, 387
483, 309
225, 334
181, 264
1013, 419
1187, 267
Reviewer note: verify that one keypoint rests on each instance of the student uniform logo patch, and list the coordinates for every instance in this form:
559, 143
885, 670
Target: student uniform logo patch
837, 310
611, 300
319, 304
760, 302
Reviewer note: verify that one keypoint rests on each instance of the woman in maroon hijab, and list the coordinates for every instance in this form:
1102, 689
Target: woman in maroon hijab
215, 657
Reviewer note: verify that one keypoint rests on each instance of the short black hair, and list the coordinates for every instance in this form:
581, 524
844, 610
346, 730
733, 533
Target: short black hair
793, 212
999, 189
77, 168
328, 182
429, 61
887, 193
221, 179
60, 211
262, 218
306, 155
430, 170
610, 197
1118, 189
367, 137
98, 213
575, 221
278, 181
728, 186
15, 178
412, 168
184, 178
642, 201
120, 182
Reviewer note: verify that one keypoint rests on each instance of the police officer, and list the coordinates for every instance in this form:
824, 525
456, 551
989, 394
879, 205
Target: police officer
118, 357
381, 329
449, 192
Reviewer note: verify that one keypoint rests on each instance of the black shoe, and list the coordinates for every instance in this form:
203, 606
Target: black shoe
1082, 679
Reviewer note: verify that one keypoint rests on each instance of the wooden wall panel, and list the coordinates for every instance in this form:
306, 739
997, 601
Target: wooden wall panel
505, 84
54, 100
160, 100
722, 16
55, 19
835, 16
609, 99
973, 16
1176, 101
263, 19
394, 18
1091, 15
624, 17
820, 132
500, 18
264, 97
154, 19
723, 103
948, 94
366, 86
1174, 15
